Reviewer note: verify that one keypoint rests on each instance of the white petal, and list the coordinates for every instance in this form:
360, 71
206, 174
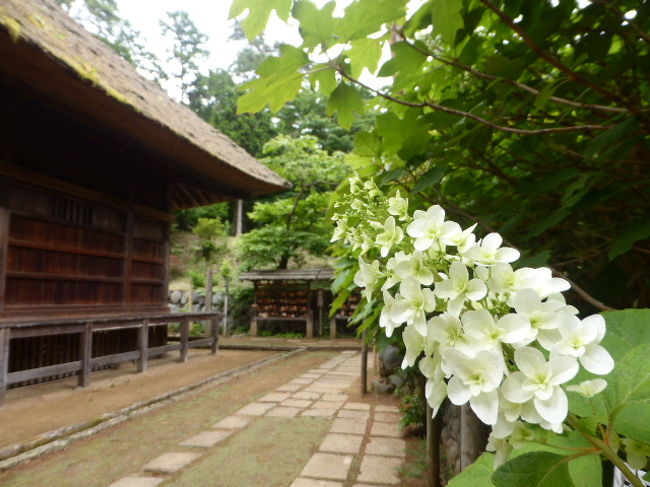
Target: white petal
422, 243
563, 369
417, 228
527, 301
512, 391
516, 328
597, 360
445, 289
555, 409
596, 323
476, 289
457, 392
529, 360
486, 406
492, 241
458, 272
506, 254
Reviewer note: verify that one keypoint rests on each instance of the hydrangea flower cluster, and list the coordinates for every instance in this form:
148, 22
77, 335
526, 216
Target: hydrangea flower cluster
500, 339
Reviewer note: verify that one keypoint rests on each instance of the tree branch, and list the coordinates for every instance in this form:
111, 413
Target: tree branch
461, 113
553, 61
633, 24
479, 74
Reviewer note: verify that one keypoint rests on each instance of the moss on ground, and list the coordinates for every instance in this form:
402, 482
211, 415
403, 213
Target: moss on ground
270, 452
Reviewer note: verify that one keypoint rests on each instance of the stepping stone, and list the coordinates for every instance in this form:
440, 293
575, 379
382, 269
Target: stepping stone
322, 413
380, 470
301, 381
309, 376
318, 372
306, 395
137, 482
206, 439
354, 426
255, 409
232, 422
289, 388
335, 397
328, 466
274, 397
296, 403
385, 429
386, 409
170, 462
339, 443
387, 417
304, 482
327, 404
359, 406
392, 447
283, 412
351, 414
348, 352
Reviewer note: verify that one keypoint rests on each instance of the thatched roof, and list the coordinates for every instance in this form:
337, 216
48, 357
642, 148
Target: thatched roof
43, 48
319, 274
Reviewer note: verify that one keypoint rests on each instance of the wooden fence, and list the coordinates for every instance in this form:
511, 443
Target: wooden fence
85, 327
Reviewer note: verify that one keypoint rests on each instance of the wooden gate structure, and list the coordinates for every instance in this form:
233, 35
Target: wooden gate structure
94, 159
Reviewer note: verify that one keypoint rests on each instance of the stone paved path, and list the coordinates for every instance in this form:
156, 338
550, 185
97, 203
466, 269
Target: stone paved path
362, 449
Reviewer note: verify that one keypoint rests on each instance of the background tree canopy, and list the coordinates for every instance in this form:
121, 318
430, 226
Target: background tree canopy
530, 117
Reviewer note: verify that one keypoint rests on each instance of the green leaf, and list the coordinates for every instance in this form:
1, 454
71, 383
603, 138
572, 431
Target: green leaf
634, 232
346, 102
626, 329
446, 19
326, 79
258, 14
535, 469
365, 53
429, 178
365, 17
406, 61
477, 474
605, 143
586, 471
629, 383
316, 26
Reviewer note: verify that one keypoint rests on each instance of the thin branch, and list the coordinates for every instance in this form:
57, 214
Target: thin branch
552, 60
461, 113
634, 25
479, 74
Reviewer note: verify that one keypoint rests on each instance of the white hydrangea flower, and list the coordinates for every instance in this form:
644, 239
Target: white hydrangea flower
488, 251
459, 287
580, 339
392, 235
464, 240
398, 206
414, 343
480, 325
589, 388
412, 303
385, 320
413, 266
429, 227
367, 277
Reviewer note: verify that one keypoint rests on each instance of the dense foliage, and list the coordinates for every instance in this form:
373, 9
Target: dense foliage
532, 117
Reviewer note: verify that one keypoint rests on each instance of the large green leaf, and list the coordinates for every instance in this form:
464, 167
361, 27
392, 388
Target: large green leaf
477, 474
626, 329
258, 14
365, 53
430, 178
632, 233
316, 26
365, 17
535, 469
346, 102
447, 19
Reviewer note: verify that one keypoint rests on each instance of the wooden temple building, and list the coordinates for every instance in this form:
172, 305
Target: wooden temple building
94, 159
297, 295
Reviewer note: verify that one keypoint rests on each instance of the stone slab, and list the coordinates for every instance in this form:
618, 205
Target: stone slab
312, 396
283, 412
352, 414
301, 381
387, 417
327, 404
385, 429
341, 443
137, 482
359, 406
170, 462
335, 397
296, 403
391, 447
327, 466
305, 482
350, 426
309, 376
232, 422
322, 413
255, 409
289, 388
206, 439
274, 397
348, 352
381, 470
386, 409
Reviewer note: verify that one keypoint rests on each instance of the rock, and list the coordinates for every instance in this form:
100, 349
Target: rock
175, 296
381, 387
390, 359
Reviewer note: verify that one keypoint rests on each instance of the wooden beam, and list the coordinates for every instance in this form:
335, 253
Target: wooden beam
5, 335
364, 364
185, 334
4, 247
188, 194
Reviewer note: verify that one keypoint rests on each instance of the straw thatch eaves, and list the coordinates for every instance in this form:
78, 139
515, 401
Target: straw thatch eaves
319, 274
43, 48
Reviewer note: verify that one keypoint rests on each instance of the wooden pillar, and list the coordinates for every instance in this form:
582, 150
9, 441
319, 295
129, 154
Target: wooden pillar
473, 437
239, 218
5, 336
85, 354
214, 322
185, 335
364, 364
433, 446
143, 344
333, 327
4, 240
310, 324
